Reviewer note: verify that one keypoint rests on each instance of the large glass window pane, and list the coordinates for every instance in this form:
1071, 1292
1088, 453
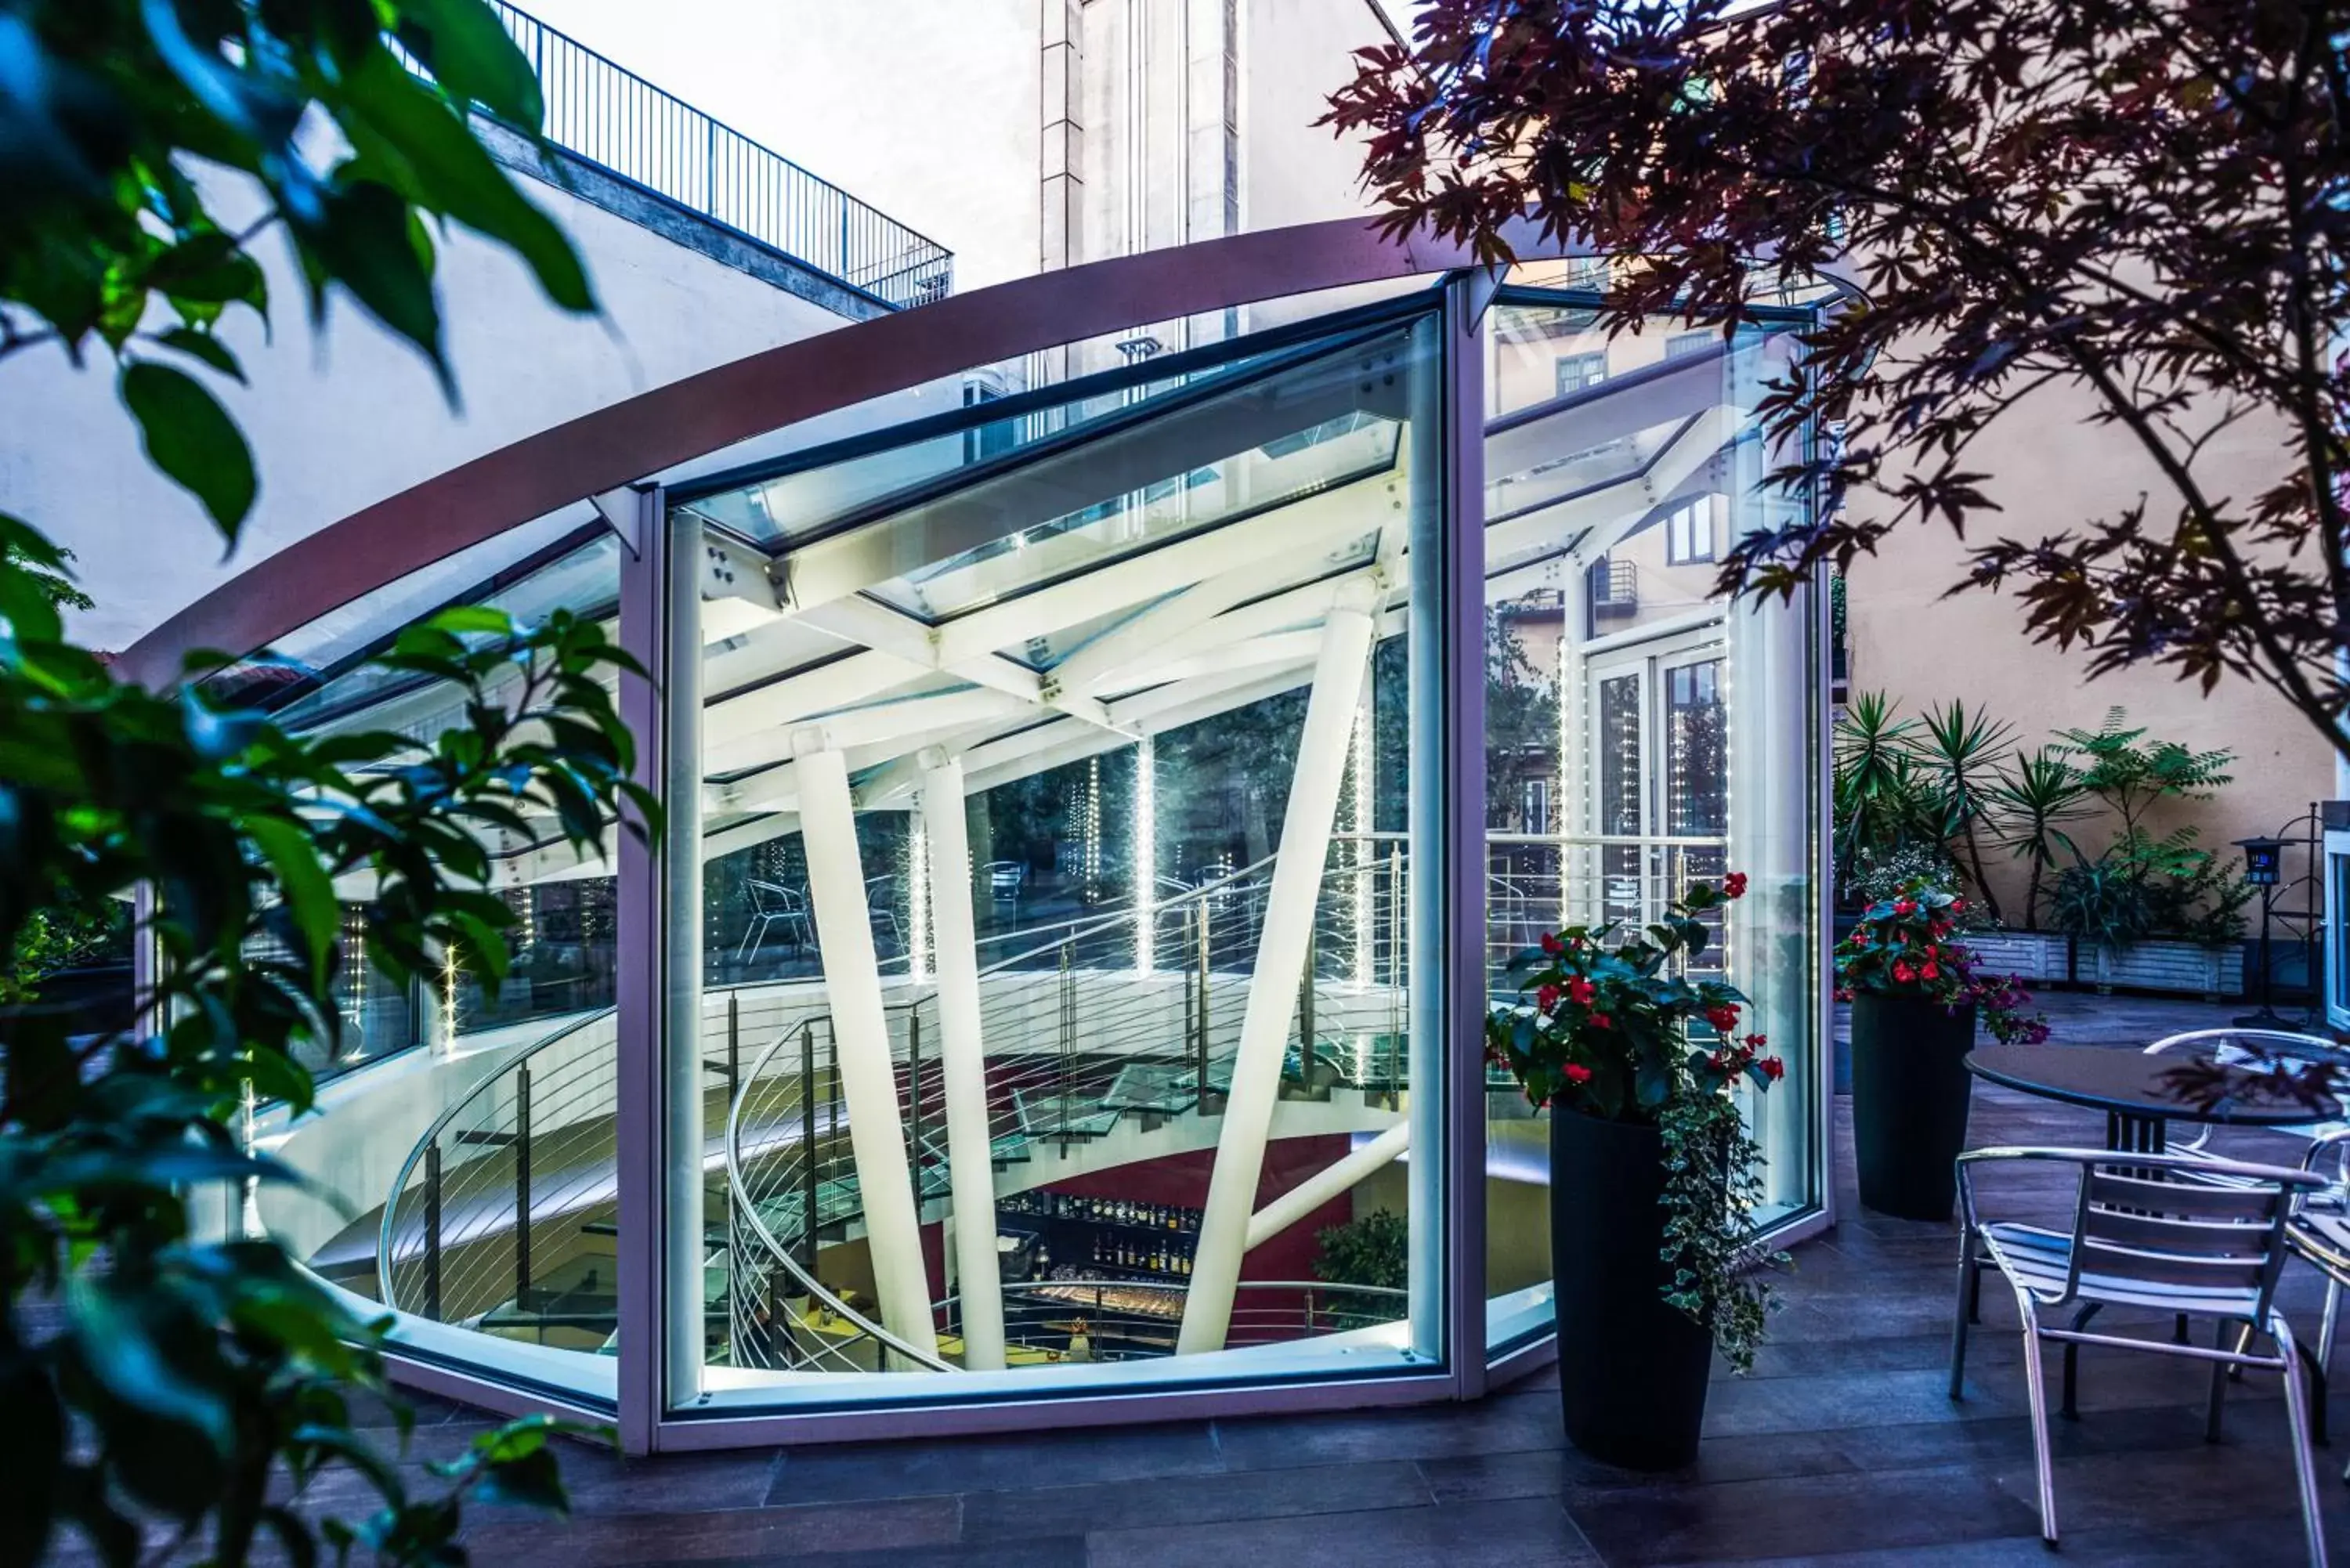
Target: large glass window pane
1048, 1032
1641, 734
462, 1174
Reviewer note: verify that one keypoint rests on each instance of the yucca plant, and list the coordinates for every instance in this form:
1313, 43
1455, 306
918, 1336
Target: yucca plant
1961, 747
1883, 798
2031, 798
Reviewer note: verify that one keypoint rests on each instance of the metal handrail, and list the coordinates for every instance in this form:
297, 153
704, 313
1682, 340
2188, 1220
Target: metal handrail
749, 1211
748, 1207
607, 115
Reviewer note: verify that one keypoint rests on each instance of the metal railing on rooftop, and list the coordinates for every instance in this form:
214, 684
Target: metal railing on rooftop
614, 118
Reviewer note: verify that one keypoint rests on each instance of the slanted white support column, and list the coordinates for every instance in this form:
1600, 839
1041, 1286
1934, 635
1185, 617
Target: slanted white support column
868, 1081
1280, 968
1341, 1176
962, 1056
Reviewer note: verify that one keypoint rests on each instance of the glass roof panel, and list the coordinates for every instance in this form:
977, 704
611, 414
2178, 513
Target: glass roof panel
1287, 468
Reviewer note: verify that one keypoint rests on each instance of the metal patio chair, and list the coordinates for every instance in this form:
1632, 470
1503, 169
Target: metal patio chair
773, 904
2278, 1043
2319, 1235
2142, 1237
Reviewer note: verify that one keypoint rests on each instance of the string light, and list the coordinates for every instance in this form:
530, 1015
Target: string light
1364, 918
1145, 851
355, 965
917, 894
449, 998
1089, 833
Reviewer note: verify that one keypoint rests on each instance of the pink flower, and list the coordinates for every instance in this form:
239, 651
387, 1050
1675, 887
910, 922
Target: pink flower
1904, 906
1755, 1041
1930, 970
1577, 1073
1601, 1021
1722, 1016
1734, 885
1903, 972
1547, 998
1772, 1068
1580, 991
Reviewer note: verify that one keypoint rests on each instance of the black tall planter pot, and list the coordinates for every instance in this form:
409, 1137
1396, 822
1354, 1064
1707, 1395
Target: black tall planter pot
1909, 1093
1631, 1369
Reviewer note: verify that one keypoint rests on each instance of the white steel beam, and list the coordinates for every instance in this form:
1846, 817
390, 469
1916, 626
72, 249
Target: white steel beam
1272, 990
1341, 1176
869, 1076
971, 1168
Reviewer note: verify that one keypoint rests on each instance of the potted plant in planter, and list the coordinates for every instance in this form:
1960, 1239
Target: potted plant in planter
1653, 1177
1915, 995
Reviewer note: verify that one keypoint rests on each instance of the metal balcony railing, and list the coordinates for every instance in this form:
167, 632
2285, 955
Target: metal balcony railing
622, 123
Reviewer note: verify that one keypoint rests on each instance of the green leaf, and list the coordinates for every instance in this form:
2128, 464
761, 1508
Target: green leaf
32, 1451
203, 346
409, 139
191, 439
309, 892
360, 238
473, 57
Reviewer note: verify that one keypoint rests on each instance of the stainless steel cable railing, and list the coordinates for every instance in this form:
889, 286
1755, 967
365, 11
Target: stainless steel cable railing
612, 117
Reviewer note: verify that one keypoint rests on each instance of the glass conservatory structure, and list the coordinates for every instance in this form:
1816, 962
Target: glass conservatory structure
1115, 729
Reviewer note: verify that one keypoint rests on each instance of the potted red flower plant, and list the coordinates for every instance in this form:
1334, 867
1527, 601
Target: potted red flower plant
1653, 1177
1915, 995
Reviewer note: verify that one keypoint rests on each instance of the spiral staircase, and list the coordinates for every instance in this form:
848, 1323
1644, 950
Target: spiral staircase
1109, 1039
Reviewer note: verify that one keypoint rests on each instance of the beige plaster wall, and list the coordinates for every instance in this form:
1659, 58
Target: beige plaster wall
2051, 471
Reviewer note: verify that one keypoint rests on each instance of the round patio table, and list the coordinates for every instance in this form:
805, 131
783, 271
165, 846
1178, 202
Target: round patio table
2129, 1086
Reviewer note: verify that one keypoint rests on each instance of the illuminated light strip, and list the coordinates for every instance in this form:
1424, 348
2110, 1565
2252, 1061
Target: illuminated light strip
1365, 915
1145, 852
918, 897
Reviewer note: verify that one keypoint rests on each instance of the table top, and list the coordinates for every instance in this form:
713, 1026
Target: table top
2129, 1083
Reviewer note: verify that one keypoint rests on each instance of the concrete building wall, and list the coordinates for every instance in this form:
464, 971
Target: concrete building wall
2051, 471
342, 414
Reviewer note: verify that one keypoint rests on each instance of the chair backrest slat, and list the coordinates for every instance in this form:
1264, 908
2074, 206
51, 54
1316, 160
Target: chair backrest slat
2133, 1226
2110, 1189
2099, 1262
2182, 1238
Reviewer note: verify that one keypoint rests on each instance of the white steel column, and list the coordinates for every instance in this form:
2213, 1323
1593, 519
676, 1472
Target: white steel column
1280, 968
963, 1058
869, 1080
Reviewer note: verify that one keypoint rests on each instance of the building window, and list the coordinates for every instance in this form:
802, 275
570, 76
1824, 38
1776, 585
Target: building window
1577, 372
1682, 345
1689, 534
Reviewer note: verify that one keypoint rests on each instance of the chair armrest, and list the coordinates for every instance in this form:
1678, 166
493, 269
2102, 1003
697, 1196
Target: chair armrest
2320, 1145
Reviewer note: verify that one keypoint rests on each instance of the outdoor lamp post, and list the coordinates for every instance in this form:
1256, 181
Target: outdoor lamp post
2264, 868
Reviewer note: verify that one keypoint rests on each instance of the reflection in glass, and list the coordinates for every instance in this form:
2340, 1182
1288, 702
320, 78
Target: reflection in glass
1679, 736
1050, 1015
